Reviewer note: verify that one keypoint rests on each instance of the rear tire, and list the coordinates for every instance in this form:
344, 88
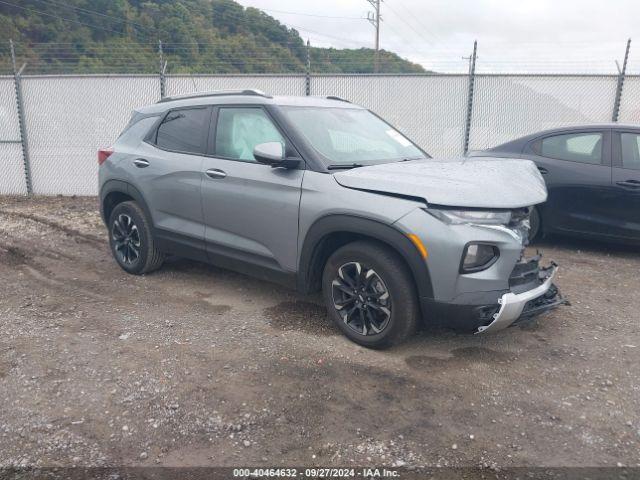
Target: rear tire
131, 240
370, 294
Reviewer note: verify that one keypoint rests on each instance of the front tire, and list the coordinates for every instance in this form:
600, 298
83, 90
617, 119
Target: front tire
370, 294
131, 240
534, 222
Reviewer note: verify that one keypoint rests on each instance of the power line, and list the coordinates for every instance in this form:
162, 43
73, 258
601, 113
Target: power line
59, 17
409, 25
188, 46
400, 37
322, 34
413, 29
238, 20
311, 14
417, 20
93, 12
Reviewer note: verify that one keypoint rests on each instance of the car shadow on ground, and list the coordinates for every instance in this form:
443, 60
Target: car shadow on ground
286, 310
585, 245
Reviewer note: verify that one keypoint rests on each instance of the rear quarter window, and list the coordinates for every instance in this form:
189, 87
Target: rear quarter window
137, 131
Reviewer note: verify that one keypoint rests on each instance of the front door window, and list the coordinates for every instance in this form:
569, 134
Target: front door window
240, 129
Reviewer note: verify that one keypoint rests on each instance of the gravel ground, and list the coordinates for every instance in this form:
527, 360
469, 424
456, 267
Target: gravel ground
197, 366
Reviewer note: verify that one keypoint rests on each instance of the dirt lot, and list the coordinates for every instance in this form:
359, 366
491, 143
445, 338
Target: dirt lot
193, 365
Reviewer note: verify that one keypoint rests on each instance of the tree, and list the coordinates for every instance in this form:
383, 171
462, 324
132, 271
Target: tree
203, 36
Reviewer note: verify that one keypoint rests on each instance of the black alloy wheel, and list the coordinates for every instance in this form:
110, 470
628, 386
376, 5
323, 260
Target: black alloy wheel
132, 241
361, 298
126, 238
370, 294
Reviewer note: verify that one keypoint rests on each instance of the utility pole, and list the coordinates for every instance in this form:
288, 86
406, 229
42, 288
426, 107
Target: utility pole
374, 19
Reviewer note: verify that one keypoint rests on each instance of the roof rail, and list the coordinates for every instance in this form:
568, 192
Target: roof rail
215, 93
340, 99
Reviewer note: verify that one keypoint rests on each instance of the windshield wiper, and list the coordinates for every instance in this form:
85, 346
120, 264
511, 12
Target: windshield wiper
410, 159
344, 166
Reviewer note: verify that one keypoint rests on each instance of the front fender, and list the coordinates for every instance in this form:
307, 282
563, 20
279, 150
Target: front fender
309, 265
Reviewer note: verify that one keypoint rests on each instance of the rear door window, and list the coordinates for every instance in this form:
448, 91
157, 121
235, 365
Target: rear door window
574, 147
630, 147
184, 130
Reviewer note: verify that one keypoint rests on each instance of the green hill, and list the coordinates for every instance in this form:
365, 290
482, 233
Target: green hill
198, 36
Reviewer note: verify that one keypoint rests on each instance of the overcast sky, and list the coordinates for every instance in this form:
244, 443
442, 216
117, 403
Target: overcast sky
513, 35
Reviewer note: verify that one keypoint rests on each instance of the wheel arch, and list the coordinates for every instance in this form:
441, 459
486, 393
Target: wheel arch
114, 192
333, 231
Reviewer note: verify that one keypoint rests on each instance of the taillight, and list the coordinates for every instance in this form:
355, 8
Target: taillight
103, 154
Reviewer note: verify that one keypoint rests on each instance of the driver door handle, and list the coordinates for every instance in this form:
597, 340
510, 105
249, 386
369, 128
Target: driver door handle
629, 184
215, 173
543, 170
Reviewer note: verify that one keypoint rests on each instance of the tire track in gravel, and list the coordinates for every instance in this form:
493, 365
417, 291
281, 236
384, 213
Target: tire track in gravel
24, 258
17, 257
95, 240
84, 239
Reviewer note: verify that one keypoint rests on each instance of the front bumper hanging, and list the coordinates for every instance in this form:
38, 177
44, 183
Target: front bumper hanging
514, 306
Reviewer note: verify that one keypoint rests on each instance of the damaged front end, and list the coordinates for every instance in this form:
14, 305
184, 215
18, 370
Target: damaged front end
532, 293
531, 288
495, 284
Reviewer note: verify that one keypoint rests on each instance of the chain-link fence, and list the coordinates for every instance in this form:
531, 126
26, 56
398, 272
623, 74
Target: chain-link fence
509, 106
68, 117
273, 84
630, 105
12, 175
430, 109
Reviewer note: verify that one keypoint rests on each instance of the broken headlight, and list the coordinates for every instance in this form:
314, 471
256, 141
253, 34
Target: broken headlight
478, 217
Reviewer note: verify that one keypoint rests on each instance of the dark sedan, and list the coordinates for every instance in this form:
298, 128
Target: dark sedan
593, 177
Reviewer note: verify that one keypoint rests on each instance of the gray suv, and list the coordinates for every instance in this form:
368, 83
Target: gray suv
323, 195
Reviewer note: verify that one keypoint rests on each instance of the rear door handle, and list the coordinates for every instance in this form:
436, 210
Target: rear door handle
141, 162
215, 173
543, 170
629, 184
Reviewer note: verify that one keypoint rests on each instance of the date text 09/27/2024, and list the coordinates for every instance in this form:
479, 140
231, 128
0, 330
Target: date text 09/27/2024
315, 473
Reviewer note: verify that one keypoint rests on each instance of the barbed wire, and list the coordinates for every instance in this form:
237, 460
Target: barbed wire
288, 57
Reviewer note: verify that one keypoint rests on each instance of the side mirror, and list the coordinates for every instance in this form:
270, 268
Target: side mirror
269, 153
272, 153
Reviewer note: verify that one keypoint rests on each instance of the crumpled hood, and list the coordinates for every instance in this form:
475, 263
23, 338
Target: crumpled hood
464, 182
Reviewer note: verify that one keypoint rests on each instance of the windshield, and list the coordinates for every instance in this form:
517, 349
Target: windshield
351, 136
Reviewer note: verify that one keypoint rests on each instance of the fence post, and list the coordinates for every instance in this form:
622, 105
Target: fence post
621, 75
308, 70
163, 67
472, 80
17, 80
